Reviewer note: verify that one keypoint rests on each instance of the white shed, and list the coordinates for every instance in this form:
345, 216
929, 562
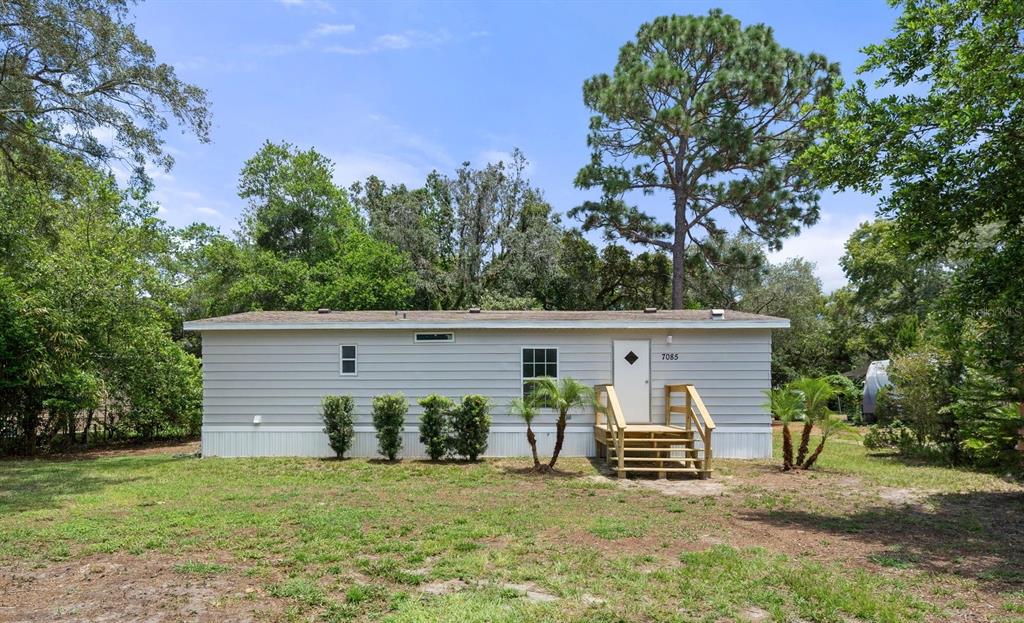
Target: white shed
265, 373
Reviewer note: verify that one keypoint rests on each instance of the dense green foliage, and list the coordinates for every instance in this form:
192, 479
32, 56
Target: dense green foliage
936, 282
389, 420
435, 425
74, 72
336, 412
470, 425
89, 342
694, 110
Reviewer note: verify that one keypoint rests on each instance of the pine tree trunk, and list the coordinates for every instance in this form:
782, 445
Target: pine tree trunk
559, 439
530, 437
817, 452
679, 256
805, 442
787, 448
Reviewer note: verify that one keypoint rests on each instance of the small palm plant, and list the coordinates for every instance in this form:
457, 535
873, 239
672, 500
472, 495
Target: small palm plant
831, 424
787, 405
528, 409
816, 394
563, 396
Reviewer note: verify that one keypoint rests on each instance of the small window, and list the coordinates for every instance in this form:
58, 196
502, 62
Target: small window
435, 337
348, 359
538, 363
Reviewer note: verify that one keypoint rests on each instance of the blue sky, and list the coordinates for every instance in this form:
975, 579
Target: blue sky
399, 89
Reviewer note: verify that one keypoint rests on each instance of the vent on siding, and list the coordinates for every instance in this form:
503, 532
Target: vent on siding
718, 314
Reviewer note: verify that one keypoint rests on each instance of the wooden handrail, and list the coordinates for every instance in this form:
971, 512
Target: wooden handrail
697, 416
616, 423
701, 409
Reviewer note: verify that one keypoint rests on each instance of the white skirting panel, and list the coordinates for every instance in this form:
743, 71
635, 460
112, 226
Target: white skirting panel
310, 441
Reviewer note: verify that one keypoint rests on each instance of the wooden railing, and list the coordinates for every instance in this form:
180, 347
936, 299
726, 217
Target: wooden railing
697, 417
608, 404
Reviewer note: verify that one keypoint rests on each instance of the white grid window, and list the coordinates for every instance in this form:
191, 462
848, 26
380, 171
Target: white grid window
538, 363
347, 353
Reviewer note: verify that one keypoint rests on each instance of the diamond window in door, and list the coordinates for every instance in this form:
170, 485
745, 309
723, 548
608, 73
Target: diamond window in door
631, 357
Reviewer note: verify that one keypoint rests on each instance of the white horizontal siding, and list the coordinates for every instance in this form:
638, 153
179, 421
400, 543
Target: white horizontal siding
282, 376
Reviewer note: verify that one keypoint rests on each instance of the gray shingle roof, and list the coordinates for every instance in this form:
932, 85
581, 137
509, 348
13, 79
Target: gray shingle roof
483, 319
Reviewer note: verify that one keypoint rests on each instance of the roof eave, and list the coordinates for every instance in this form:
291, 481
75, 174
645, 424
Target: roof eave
199, 325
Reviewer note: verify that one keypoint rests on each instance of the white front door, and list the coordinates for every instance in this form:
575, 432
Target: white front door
632, 379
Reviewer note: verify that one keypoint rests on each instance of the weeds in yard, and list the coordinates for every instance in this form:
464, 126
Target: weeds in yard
361, 541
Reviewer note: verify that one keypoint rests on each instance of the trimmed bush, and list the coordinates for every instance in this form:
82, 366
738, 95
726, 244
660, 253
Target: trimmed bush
388, 418
471, 422
336, 412
435, 430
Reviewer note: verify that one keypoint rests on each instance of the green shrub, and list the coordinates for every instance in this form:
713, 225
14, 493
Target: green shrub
893, 436
471, 422
389, 418
920, 390
435, 431
336, 412
987, 422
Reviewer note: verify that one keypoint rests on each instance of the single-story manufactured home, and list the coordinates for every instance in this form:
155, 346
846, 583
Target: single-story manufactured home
265, 373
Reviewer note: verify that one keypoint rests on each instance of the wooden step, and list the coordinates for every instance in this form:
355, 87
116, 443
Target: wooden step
671, 470
654, 449
628, 457
675, 440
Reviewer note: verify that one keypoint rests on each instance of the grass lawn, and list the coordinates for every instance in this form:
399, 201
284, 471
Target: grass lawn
161, 536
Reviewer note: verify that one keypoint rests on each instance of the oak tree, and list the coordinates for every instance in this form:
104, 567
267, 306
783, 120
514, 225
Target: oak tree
75, 78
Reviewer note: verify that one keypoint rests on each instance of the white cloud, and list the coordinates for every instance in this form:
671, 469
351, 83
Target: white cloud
394, 41
327, 30
825, 243
494, 156
209, 212
316, 5
310, 39
399, 156
357, 166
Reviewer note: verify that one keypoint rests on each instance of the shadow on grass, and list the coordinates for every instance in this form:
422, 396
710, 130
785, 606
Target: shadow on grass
977, 534
41, 484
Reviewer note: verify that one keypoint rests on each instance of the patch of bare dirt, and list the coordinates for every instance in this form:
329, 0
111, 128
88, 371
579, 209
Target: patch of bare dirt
902, 496
753, 614
683, 488
112, 588
121, 449
443, 588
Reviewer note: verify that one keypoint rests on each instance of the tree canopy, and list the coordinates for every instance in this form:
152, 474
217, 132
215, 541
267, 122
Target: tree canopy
716, 116
942, 141
77, 80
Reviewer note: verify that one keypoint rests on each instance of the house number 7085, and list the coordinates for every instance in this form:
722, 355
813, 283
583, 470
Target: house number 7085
670, 356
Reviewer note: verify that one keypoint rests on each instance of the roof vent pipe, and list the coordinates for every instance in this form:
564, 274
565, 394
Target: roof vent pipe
323, 310
718, 314
474, 310
650, 310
